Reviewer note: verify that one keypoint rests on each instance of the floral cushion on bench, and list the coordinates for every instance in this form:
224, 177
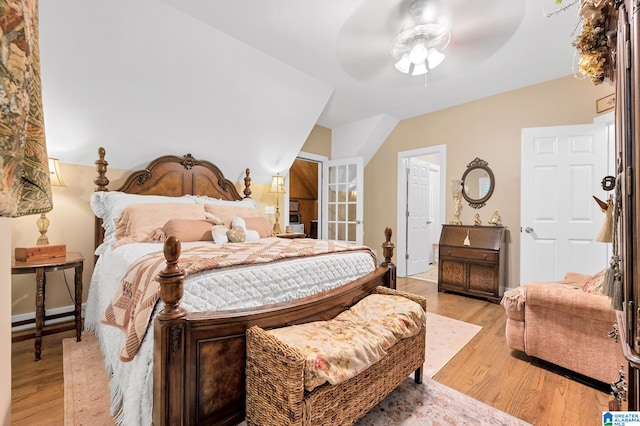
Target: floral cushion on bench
348, 344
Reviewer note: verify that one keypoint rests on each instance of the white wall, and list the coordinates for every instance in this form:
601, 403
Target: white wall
144, 80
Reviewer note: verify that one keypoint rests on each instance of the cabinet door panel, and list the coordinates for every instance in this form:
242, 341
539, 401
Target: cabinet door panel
452, 273
482, 278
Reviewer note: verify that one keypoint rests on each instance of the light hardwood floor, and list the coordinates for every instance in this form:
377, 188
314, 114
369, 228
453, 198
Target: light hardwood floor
484, 369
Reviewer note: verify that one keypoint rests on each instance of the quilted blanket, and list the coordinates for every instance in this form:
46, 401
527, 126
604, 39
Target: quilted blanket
138, 291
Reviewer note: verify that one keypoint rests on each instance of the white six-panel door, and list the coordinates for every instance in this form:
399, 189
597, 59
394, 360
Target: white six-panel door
418, 216
562, 169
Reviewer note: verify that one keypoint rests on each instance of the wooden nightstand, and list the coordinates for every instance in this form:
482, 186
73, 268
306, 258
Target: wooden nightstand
292, 235
40, 267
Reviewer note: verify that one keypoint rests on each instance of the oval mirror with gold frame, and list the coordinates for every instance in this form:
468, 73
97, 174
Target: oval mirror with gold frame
477, 183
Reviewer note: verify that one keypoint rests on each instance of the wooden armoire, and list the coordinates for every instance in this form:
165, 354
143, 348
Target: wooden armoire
624, 43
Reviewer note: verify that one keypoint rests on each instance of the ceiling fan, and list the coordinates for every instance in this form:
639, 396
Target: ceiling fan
419, 46
390, 42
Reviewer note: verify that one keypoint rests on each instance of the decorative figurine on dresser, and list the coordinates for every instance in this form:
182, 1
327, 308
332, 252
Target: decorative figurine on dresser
495, 219
472, 261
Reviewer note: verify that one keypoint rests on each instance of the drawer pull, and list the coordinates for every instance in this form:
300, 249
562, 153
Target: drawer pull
484, 256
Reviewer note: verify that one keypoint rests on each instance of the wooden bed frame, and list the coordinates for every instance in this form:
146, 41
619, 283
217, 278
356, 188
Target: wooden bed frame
199, 357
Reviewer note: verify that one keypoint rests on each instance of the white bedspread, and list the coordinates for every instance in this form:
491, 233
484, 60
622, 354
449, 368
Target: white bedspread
221, 289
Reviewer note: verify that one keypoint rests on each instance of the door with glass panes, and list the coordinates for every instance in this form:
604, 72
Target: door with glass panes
342, 218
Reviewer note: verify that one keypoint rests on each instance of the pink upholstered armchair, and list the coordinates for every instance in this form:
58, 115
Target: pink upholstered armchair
566, 323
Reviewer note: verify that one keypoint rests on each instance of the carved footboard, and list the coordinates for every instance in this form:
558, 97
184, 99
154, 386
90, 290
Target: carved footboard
199, 358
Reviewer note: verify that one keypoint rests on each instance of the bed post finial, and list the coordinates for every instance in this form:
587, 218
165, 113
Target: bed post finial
387, 246
387, 252
247, 184
101, 167
171, 280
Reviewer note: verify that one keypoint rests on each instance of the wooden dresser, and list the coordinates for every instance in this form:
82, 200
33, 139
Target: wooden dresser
477, 269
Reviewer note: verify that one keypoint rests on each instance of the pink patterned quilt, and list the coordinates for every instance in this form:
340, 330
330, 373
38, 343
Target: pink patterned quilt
138, 291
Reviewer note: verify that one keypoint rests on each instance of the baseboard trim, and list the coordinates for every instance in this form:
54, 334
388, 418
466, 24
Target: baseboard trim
31, 316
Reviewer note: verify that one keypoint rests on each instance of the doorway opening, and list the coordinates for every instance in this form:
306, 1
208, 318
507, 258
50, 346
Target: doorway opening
420, 208
303, 210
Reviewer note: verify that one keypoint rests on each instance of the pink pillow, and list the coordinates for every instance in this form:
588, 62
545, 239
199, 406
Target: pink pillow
575, 279
188, 230
260, 224
594, 283
225, 214
138, 223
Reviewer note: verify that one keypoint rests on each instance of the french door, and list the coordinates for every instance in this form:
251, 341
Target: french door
343, 195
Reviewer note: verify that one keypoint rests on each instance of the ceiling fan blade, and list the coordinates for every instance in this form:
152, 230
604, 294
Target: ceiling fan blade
478, 29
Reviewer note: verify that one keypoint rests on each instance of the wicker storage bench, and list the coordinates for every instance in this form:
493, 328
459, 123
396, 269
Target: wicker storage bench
276, 393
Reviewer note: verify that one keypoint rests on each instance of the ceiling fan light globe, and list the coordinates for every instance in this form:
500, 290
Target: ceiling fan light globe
434, 58
418, 53
404, 64
419, 69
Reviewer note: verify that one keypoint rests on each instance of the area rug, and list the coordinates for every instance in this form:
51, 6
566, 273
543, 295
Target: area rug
430, 275
445, 337
86, 385
435, 404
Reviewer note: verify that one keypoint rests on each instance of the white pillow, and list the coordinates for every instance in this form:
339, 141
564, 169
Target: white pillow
220, 234
239, 222
107, 205
251, 235
203, 199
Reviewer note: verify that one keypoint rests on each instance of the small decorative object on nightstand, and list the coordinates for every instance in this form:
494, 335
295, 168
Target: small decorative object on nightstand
40, 267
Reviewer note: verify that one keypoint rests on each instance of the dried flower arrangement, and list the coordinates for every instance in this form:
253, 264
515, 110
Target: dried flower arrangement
591, 44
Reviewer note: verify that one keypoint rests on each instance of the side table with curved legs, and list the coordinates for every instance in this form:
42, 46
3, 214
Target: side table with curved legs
40, 268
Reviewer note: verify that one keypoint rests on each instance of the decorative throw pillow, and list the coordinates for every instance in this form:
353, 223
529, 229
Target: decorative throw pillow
238, 222
138, 223
594, 283
108, 206
187, 230
213, 219
250, 234
220, 234
260, 224
227, 213
236, 235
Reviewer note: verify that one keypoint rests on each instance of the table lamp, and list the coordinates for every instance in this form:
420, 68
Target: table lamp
43, 221
277, 187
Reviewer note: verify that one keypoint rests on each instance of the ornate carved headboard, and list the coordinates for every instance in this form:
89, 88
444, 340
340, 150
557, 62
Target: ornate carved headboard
172, 176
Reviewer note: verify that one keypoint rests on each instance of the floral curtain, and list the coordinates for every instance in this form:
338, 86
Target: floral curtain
24, 171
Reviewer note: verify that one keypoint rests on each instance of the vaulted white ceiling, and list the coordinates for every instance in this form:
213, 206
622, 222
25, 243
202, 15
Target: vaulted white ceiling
242, 82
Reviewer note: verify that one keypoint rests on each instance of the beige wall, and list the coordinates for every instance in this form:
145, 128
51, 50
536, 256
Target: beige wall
318, 141
489, 129
5, 330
